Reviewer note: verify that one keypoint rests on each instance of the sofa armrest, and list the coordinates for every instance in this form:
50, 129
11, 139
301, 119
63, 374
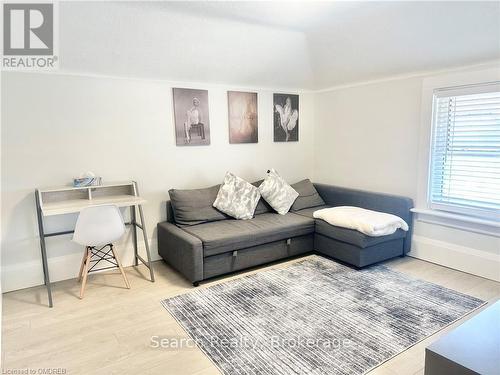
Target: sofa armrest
181, 250
392, 204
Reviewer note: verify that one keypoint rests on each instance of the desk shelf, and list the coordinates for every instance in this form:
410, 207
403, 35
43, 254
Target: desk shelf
65, 200
76, 205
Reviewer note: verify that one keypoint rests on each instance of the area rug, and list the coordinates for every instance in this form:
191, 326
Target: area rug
315, 316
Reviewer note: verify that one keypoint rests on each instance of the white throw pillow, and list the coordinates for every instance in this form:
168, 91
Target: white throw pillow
277, 192
237, 198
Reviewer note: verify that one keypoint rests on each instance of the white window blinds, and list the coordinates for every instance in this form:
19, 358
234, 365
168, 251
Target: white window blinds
465, 152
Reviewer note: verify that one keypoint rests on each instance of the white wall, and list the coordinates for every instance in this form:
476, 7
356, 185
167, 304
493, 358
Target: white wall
56, 126
374, 136
367, 136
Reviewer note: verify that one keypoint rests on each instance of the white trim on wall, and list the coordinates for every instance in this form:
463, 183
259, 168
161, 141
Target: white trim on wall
458, 257
491, 64
420, 74
171, 83
28, 274
452, 220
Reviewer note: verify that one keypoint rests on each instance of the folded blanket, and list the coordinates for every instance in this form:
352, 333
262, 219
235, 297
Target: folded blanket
371, 223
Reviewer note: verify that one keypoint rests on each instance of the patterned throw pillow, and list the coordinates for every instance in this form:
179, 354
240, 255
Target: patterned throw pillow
277, 192
237, 198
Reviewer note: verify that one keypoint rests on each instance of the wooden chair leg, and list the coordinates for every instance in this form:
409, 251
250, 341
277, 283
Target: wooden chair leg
120, 267
82, 265
85, 271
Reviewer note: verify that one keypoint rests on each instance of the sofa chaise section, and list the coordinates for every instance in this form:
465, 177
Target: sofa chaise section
356, 248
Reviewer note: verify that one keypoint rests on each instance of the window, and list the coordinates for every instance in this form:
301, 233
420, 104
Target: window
465, 153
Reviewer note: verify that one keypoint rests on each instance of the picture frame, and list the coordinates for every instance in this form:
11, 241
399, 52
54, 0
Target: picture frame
191, 117
286, 117
242, 117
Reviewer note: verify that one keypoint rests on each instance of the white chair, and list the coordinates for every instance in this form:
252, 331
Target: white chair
96, 229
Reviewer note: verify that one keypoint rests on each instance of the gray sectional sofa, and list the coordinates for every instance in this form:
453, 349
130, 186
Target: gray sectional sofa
201, 242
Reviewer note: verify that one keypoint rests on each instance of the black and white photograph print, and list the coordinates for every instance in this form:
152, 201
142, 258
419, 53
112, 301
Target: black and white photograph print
286, 117
192, 124
242, 116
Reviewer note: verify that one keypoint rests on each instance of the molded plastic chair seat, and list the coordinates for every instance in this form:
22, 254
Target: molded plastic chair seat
99, 225
97, 228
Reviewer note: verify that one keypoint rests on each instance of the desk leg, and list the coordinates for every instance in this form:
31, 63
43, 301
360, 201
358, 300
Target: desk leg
134, 233
146, 244
43, 250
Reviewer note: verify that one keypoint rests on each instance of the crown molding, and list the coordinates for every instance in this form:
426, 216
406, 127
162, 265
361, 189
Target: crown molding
420, 74
221, 85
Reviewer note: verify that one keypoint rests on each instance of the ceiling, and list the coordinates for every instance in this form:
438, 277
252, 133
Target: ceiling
294, 15
308, 44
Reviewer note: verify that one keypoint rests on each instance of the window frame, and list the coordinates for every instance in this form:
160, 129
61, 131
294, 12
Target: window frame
469, 89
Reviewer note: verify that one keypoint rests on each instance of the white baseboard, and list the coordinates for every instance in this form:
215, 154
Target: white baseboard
477, 262
28, 274
458, 257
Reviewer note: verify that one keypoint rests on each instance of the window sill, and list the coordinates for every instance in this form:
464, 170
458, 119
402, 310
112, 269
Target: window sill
463, 222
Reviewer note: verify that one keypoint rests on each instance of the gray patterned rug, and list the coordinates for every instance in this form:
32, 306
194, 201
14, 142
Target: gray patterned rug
315, 317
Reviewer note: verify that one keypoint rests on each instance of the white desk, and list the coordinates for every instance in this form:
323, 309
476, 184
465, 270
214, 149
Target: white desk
68, 199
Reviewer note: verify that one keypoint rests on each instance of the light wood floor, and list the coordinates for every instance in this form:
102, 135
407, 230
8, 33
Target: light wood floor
110, 330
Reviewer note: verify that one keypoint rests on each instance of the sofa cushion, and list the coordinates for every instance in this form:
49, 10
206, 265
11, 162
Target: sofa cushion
228, 235
262, 206
308, 196
353, 236
194, 206
237, 198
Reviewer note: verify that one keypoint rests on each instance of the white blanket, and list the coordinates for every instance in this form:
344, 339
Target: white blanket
371, 223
